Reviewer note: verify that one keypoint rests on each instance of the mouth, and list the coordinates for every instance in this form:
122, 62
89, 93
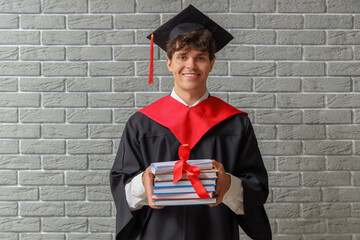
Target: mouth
191, 75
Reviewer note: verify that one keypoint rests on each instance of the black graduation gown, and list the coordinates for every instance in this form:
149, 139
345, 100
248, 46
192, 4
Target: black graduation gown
231, 142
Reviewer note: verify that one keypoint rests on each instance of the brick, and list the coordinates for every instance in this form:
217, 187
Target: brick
20, 6
8, 209
144, 99
90, 22
300, 37
64, 37
327, 116
19, 162
91, 236
102, 224
57, 193
357, 116
253, 36
42, 116
41, 209
8, 22
302, 6
19, 131
167, 84
327, 147
134, 53
64, 131
111, 69
18, 37
7, 178
284, 179
99, 193
88, 116
277, 84
88, 84
66, 6
64, 224
8, 236
328, 53
87, 178
18, 194
233, 20
279, 148
301, 69
122, 115
300, 100
111, 100
104, 162
313, 179
41, 236
252, 68
300, 163
42, 53
42, 22
282, 210
105, 131
350, 163
158, 6
232, 84
236, 53
210, 6
294, 194
312, 210
327, 84
328, 237
344, 69
19, 224
65, 69
41, 178
301, 132
88, 53
9, 53
328, 21
42, 147
8, 115
279, 21
277, 53
42, 84
252, 100
357, 53
344, 225
343, 100
343, 37
88, 147
111, 37
253, 6
136, 84
126, 21
343, 6
301, 226
64, 100
344, 132
278, 116
9, 146
264, 132
88, 209
160, 68
111, 6
356, 179
19, 68
341, 194
65, 162
8, 84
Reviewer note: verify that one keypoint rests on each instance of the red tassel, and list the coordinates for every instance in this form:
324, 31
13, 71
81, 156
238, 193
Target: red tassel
151, 59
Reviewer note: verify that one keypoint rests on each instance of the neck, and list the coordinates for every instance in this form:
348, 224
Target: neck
190, 97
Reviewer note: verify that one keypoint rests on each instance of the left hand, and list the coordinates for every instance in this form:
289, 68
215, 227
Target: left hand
222, 184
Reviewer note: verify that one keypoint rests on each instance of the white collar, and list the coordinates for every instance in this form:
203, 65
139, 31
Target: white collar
176, 97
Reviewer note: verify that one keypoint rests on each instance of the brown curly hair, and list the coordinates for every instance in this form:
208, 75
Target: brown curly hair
200, 40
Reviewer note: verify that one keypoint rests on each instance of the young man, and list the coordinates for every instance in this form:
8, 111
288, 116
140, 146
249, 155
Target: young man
212, 128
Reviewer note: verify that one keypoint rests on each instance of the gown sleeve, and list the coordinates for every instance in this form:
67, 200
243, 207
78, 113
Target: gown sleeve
128, 163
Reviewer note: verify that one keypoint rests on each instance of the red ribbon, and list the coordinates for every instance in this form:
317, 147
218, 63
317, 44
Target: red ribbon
191, 171
151, 67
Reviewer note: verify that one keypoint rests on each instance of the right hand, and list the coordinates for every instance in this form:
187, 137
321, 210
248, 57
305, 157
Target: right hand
148, 182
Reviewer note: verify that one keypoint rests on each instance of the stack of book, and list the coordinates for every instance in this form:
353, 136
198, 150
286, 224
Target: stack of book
165, 193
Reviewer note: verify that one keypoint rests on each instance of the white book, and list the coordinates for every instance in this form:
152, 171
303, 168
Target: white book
199, 201
203, 174
211, 181
168, 166
178, 196
181, 190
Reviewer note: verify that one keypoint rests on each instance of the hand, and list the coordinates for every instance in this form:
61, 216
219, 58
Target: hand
148, 182
222, 184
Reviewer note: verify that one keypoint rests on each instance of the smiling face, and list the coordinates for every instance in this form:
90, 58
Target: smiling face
190, 68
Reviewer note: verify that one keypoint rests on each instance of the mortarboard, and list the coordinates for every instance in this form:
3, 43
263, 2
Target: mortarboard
187, 20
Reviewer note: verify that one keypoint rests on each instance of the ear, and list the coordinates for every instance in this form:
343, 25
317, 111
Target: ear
212, 62
168, 64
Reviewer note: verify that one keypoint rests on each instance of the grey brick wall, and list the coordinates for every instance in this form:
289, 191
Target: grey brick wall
73, 71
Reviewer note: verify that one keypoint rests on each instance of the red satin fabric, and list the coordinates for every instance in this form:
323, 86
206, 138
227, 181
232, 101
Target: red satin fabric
191, 171
151, 67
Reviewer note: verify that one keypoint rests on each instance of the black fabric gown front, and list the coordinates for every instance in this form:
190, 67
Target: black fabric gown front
231, 142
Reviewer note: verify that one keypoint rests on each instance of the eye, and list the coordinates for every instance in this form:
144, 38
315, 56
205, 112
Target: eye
181, 57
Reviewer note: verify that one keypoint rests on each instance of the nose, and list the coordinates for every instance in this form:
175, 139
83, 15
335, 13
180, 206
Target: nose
191, 63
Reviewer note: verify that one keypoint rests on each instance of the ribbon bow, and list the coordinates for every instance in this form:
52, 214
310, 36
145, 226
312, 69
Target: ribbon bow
191, 171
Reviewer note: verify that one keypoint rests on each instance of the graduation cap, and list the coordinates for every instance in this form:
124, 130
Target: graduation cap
190, 19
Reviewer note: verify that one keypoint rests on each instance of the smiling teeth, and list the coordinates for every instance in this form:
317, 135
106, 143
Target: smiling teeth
191, 75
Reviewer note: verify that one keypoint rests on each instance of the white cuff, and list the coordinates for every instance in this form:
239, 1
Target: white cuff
234, 197
135, 193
